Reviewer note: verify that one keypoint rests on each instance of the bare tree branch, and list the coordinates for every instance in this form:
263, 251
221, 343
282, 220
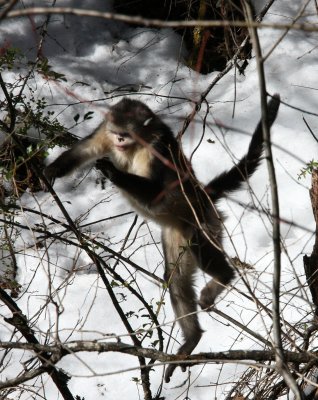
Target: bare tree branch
279, 354
6, 9
23, 378
156, 22
311, 262
20, 322
59, 351
219, 76
87, 248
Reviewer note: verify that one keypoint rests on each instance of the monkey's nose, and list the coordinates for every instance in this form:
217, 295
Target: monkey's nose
120, 139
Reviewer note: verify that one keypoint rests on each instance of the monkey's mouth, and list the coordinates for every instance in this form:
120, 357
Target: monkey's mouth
122, 147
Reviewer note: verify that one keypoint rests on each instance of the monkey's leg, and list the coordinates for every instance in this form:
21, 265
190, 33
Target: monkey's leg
212, 261
179, 277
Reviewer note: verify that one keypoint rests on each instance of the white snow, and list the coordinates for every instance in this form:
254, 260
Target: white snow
63, 295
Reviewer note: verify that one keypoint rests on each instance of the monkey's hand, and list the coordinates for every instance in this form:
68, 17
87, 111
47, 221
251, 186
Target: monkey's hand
62, 166
107, 168
51, 172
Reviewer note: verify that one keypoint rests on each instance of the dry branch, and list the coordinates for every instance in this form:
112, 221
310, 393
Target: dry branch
59, 351
311, 262
281, 365
156, 22
20, 322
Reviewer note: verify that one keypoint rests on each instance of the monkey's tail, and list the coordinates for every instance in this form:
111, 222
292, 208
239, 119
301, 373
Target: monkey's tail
233, 179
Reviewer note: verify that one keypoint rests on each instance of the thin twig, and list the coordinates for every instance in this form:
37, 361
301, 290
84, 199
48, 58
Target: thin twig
242, 326
20, 322
157, 22
8, 7
310, 130
221, 74
83, 243
279, 354
61, 350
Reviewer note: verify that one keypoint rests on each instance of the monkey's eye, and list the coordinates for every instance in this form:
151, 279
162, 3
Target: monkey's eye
121, 134
124, 134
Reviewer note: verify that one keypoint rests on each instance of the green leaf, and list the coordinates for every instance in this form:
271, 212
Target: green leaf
89, 115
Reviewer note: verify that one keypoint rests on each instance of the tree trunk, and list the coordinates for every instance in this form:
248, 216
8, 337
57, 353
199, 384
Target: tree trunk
311, 262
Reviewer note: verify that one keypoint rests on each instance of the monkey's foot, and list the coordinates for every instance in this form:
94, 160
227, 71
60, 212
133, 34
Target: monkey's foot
209, 294
170, 369
205, 305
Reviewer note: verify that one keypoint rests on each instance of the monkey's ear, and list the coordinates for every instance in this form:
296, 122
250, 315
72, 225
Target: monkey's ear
147, 122
143, 113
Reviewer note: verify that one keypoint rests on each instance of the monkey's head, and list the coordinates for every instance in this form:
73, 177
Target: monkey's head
130, 123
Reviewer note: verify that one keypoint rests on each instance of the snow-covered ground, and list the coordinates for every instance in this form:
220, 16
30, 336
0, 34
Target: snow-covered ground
63, 295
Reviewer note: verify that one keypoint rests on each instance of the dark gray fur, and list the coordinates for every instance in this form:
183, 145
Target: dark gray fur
155, 176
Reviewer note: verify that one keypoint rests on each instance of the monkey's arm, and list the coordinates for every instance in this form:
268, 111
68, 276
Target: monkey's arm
234, 178
64, 164
144, 190
83, 152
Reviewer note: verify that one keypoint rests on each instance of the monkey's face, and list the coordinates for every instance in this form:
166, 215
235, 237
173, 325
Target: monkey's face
130, 124
120, 137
